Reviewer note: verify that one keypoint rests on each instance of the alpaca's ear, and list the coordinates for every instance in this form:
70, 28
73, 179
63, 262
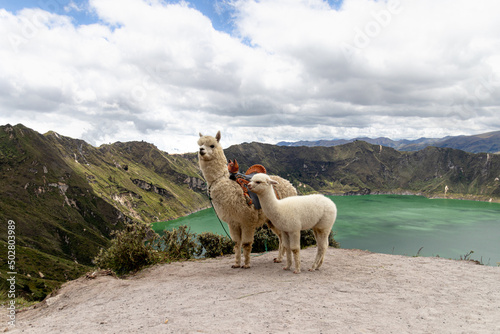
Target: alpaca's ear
200, 134
217, 136
273, 182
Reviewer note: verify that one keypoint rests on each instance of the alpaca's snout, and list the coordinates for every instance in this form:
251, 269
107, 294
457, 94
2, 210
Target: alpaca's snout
202, 151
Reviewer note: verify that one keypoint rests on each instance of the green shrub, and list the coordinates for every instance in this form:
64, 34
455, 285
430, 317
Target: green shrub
138, 246
264, 240
129, 250
307, 239
213, 245
332, 242
177, 244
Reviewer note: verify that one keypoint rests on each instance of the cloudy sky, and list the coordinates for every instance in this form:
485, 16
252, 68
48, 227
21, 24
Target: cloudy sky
269, 70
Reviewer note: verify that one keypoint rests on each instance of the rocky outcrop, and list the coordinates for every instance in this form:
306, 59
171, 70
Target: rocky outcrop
144, 185
196, 184
362, 191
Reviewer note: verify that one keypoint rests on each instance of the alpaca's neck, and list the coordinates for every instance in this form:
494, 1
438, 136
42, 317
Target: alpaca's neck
214, 170
269, 202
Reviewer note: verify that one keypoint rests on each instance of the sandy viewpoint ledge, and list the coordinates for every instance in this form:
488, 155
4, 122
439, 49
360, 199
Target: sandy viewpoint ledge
354, 292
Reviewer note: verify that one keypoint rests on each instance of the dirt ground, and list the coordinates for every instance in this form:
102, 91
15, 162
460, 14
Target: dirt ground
354, 292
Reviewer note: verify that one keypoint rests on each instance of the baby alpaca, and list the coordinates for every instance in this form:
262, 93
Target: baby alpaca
296, 213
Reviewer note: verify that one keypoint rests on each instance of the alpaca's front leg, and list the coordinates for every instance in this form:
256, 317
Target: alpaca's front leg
247, 249
286, 247
237, 255
247, 241
281, 249
295, 248
235, 233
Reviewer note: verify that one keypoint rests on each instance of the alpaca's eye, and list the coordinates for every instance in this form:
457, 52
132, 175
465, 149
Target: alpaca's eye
212, 146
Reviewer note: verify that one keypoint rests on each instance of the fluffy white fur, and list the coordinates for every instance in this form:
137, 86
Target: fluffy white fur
293, 214
229, 202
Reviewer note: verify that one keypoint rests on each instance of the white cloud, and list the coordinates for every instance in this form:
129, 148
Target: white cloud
72, 6
292, 70
401, 58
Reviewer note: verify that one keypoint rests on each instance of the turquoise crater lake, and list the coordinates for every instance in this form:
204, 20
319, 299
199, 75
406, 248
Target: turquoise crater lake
394, 224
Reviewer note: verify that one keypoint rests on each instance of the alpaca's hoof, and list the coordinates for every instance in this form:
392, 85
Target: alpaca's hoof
246, 266
276, 260
312, 269
286, 268
296, 271
235, 266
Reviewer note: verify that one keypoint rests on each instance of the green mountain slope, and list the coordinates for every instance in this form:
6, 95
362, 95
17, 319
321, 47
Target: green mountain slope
66, 197
138, 179
59, 219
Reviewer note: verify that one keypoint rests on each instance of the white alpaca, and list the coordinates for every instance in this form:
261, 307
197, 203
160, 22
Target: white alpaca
229, 202
293, 214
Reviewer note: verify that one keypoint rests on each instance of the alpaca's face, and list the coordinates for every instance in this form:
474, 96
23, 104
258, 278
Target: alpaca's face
260, 182
209, 146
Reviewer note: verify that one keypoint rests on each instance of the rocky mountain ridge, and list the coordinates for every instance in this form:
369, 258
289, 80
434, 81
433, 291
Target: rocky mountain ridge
482, 143
363, 168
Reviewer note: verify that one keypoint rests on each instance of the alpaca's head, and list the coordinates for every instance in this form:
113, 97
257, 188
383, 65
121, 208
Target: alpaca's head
210, 148
260, 183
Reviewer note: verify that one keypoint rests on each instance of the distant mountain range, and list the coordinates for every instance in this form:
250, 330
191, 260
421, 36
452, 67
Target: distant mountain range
66, 196
482, 143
